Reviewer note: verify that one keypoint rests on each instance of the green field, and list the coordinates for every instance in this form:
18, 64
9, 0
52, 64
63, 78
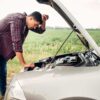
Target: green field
39, 46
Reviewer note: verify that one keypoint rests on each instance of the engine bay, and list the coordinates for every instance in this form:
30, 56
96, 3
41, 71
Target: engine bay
88, 59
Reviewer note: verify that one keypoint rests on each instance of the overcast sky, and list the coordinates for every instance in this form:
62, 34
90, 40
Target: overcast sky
87, 12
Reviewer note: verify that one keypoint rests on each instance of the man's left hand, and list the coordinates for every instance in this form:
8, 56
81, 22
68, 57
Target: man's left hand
45, 17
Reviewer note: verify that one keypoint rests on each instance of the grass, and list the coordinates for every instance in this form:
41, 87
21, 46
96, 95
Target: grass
39, 46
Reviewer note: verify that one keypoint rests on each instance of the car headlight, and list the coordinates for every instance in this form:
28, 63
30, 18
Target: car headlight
14, 92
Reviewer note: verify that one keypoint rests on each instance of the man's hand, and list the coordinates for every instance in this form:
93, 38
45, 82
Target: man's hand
45, 17
29, 65
22, 61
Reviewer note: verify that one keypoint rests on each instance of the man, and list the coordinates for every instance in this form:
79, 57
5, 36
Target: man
13, 31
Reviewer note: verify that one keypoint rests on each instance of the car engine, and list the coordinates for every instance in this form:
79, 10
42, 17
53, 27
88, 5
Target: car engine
88, 59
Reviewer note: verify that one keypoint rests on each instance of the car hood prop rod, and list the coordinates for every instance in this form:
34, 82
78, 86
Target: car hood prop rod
51, 65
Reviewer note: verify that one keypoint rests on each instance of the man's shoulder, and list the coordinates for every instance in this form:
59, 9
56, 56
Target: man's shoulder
16, 15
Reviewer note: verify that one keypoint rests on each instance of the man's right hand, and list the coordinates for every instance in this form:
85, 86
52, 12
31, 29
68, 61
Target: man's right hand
22, 61
29, 65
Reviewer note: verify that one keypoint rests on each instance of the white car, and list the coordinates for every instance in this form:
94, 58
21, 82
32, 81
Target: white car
74, 76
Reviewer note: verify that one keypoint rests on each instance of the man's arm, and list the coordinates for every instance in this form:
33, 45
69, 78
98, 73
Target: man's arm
41, 28
15, 27
21, 58
22, 61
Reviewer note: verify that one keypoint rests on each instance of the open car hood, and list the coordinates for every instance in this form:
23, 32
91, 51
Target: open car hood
83, 35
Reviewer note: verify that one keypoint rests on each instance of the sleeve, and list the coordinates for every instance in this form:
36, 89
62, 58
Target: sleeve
38, 30
15, 27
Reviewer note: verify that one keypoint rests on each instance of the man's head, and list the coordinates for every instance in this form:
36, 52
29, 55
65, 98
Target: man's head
34, 20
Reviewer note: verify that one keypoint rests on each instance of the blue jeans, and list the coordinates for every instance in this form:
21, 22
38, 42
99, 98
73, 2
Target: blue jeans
3, 75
